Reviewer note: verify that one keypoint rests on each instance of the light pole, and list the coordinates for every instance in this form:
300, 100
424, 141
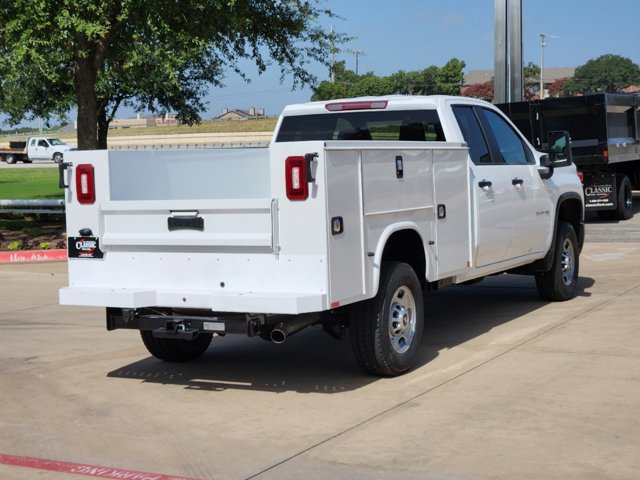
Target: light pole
357, 54
542, 45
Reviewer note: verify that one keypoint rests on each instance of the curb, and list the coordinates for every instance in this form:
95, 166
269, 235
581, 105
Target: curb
34, 256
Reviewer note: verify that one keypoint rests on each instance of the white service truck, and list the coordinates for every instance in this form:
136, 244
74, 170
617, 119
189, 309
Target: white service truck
354, 210
35, 148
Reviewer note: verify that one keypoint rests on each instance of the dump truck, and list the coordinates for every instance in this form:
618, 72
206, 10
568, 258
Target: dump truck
605, 140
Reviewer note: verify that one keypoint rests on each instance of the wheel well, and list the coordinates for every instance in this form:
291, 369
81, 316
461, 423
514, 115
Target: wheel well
406, 246
571, 210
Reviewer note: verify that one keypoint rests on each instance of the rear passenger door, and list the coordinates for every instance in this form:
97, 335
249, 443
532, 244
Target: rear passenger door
492, 191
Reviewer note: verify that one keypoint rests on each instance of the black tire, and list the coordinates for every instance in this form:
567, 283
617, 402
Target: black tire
386, 330
624, 210
625, 199
175, 350
57, 157
10, 159
561, 282
26, 160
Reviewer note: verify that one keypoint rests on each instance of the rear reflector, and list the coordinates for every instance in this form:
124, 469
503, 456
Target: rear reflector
85, 184
342, 106
581, 177
296, 178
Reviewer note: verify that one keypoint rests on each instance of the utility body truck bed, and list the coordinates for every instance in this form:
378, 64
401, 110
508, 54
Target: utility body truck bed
356, 207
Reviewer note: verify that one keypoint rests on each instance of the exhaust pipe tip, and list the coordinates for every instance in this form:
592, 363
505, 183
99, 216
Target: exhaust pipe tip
278, 336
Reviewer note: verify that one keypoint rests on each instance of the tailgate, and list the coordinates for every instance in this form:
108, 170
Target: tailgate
190, 198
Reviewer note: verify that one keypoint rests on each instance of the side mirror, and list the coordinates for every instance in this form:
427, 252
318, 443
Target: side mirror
559, 149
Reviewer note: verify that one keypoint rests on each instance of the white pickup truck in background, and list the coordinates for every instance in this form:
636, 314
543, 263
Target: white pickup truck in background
35, 148
354, 210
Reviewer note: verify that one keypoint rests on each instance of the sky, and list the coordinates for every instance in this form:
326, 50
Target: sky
414, 34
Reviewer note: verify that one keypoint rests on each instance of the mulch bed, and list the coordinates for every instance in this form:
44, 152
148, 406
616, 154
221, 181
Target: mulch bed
41, 235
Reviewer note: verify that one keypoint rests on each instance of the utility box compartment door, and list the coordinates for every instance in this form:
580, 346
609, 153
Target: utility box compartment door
345, 225
453, 211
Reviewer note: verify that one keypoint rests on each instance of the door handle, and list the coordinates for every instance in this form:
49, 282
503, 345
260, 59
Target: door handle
484, 183
517, 181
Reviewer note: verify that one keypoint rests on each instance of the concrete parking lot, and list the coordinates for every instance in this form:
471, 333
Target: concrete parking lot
507, 387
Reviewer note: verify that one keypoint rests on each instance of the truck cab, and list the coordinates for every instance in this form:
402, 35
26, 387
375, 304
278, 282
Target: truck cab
47, 148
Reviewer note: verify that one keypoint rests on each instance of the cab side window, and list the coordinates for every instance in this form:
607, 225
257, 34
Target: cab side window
510, 148
473, 135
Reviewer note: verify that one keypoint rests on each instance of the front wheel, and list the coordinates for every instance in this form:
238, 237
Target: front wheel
57, 157
175, 350
561, 282
386, 331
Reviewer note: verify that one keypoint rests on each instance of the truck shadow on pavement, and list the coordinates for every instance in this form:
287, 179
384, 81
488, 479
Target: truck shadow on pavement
313, 362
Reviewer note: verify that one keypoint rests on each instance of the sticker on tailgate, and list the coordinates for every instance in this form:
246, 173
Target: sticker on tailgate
84, 247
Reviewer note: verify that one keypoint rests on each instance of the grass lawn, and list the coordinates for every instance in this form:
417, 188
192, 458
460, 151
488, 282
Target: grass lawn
229, 126
29, 184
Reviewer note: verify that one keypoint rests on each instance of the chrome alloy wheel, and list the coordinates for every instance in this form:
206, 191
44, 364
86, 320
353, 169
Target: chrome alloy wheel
402, 320
567, 262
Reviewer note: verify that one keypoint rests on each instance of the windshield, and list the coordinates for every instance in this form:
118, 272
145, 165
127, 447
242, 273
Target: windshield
391, 125
55, 141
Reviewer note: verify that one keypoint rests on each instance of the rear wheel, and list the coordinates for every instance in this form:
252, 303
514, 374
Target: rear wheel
625, 198
10, 159
561, 282
175, 350
386, 331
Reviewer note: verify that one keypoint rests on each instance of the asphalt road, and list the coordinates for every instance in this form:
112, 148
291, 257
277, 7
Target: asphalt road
507, 387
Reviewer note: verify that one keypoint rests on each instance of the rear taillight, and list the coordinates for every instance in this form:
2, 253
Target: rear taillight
581, 177
296, 178
85, 184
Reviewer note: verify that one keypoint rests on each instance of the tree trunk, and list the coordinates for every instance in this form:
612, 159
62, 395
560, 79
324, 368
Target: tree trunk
103, 129
84, 79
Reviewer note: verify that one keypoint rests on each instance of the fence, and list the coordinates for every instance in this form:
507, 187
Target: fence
41, 207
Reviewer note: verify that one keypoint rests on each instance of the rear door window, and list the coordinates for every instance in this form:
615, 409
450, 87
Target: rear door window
472, 134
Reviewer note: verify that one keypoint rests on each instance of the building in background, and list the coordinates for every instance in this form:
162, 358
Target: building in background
237, 114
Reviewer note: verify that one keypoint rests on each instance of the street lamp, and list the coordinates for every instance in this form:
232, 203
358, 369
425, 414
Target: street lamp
542, 45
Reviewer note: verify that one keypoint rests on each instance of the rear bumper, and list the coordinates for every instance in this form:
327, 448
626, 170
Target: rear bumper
239, 302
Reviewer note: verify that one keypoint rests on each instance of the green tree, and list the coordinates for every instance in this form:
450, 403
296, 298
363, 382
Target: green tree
433, 80
531, 80
370, 85
450, 77
417, 82
159, 55
344, 79
607, 73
